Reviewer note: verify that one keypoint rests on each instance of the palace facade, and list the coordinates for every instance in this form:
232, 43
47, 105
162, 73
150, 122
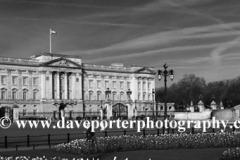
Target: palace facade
47, 83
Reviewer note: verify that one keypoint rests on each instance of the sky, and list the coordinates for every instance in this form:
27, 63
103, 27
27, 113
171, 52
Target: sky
198, 37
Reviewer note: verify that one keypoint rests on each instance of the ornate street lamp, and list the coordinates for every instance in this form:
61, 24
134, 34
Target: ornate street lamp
165, 73
153, 93
135, 109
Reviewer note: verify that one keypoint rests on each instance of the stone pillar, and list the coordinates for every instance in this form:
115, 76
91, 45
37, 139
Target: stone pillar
20, 83
65, 85
58, 85
15, 114
43, 84
9, 80
78, 87
109, 110
30, 93
50, 85
73, 85
130, 111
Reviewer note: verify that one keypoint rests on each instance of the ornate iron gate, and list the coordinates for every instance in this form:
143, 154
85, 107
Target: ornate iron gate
119, 110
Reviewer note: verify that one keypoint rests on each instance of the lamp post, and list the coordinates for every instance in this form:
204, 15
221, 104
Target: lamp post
165, 73
153, 93
135, 109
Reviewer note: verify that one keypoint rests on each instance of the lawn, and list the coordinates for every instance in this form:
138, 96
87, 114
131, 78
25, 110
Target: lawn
178, 154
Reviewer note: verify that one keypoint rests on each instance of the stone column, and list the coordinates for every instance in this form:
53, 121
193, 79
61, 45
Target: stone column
109, 110
15, 114
20, 83
65, 85
43, 84
73, 85
50, 85
30, 93
130, 111
78, 86
9, 89
58, 85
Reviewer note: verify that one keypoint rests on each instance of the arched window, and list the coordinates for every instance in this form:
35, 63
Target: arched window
121, 96
35, 94
14, 93
90, 95
144, 96
149, 96
98, 95
114, 95
3, 93
25, 93
161, 108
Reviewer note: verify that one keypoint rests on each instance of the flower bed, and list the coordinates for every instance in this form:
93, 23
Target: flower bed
231, 154
44, 158
150, 142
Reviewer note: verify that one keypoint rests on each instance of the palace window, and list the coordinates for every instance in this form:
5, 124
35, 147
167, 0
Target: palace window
139, 96
114, 95
128, 85
90, 83
149, 96
121, 85
35, 81
114, 85
144, 96
139, 85
14, 80
25, 91
98, 95
24, 112
14, 93
98, 84
106, 84
3, 93
25, 80
90, 95
35, 92
34, 112
121, 96
4, 79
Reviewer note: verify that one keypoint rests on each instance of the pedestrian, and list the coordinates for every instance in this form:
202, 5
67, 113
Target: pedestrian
91, 135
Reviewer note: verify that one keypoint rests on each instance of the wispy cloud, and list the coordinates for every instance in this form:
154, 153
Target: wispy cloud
167, 37
154, 52
216, 52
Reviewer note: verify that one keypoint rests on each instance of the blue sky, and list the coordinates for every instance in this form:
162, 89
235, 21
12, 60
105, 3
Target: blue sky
201, 37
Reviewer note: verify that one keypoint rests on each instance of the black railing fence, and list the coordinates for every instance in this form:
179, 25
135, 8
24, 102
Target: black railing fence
57, 115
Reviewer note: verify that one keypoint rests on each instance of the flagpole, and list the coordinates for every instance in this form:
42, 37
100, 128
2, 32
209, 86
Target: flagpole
50, 40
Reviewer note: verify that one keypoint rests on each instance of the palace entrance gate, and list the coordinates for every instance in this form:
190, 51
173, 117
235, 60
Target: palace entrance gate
120, 110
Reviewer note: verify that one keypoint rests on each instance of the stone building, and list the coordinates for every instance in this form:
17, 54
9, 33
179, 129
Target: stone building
46, 83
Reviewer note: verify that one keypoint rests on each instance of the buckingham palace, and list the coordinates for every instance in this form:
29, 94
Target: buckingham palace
47, 83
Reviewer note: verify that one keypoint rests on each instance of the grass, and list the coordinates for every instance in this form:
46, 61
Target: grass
178, 154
